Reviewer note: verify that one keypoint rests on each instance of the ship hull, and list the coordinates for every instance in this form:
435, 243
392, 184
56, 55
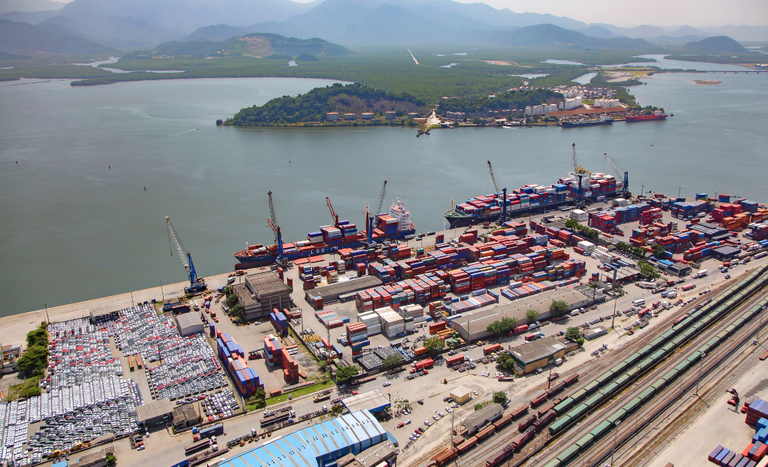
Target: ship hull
458, 220
578, 125
644, 118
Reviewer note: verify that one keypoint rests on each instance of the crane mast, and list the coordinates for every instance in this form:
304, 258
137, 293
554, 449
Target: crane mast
196, 284
334, 216
581, 173
369, 218
272, 223
625, 185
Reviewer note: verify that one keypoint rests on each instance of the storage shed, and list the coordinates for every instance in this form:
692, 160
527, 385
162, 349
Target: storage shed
537, 354
189, 324
488, 414
461, 394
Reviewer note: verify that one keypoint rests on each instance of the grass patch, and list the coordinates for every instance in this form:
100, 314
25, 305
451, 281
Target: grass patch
299, 392
24, 390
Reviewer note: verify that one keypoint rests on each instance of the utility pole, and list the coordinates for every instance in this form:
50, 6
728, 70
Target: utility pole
132, 303
48, 320
615, 298
161, 291
762, 308
615, 435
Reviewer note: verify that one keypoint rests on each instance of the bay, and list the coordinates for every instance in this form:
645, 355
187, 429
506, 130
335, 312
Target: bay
75, 229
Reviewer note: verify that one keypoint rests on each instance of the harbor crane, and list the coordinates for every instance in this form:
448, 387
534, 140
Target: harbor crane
334, 216
272, 223
625, 185
502, 191
196, 284
580, 172
369, 218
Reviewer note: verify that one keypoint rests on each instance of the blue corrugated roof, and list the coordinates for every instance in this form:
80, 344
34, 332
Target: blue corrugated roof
304, 448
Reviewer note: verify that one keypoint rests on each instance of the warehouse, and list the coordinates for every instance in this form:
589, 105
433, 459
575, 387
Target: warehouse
488, 414
537, 354
373, 401
594, 333
331, 293
725, 253
317, 445
189, 324
262, 292
152, 413
184, 416
474, 326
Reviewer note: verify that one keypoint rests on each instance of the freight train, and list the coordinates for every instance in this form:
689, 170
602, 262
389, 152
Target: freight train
605, 387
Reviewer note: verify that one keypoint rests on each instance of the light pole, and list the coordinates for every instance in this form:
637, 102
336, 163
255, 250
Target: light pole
642, 189
615, 436
701, 363
161, 291
762, 308
48, 320
615, 298
132, 303
678, 191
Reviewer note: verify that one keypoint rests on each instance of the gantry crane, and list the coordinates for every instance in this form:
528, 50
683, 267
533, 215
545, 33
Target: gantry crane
196, 284
503, 191
581, 173
272, 222
368, 218
334, 216
625, 186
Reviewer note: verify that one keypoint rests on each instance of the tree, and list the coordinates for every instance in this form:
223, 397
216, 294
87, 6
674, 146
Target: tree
580, 341
477, 121
238, 312
572, 224
499, 397
647, 271
478, 406
502, 326
111, 459
434, 345
259, 398
346, 373
659, 251
572, 334
392, 361
531, 316
558, 308
505, 361
231, 300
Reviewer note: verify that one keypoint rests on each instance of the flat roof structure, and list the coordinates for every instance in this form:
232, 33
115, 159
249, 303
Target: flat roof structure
316, 445
478, 419
265, 284
536, 354
332, 292
726, 252
189, 323
373, 401
473, 326
154, 409
461, 394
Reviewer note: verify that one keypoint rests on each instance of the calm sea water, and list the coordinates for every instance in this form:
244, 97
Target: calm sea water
77, 222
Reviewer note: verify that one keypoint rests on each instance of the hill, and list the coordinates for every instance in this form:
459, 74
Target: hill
716, 44
28, 39
29, 5
548, 35
313, 106
254, 45
31, 17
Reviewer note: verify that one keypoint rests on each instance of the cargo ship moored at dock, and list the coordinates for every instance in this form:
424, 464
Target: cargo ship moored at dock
603, 120
656, 115
395, 225
532, 198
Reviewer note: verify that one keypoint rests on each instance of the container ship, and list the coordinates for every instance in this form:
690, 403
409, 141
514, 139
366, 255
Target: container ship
656, 115
603, 120
532, 198
394, 225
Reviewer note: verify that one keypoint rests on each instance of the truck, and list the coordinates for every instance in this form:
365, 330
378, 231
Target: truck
213, 430
491, 348
197, 446
423, 364
534, 336
506, 378
702, 273
276, 418
456, 359
322, 397
519, 329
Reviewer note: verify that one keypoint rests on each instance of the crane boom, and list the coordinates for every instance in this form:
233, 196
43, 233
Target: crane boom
272, 222
196, 284
625, 185
334, 216
381, 197
493, 178
581, 173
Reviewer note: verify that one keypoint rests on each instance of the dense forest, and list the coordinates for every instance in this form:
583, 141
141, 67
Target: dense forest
507, 100
313, 106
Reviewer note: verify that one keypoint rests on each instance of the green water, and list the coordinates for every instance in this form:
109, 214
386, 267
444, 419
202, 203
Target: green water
74, 229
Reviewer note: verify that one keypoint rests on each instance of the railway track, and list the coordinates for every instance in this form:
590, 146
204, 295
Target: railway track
718, 370
614, 383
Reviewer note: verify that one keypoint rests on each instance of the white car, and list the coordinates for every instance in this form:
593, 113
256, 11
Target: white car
387, 383
448, 409
427, 422
407, 422
441, 414
435, 417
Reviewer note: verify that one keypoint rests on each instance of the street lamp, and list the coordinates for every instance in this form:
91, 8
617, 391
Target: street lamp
132, 303
762, 308
615, 436
701, 363
48, 320
161, 291
615, 298
678, 191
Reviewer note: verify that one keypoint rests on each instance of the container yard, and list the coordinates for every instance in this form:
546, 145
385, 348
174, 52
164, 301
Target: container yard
366, 305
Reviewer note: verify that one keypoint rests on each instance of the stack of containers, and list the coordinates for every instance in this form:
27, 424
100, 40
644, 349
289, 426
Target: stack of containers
759, 231
371, 321
749, 206
290, 368
386, 224
315, 238
330, 319
349, 233
477, 300
357, 332
272, 349
332, 235
280, 322
414, 313
684, 210
392, 324
755, 411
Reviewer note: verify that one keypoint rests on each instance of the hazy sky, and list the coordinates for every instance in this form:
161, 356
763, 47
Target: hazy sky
636, 12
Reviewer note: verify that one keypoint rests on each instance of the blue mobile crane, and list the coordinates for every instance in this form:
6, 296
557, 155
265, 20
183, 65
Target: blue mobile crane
196, 284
